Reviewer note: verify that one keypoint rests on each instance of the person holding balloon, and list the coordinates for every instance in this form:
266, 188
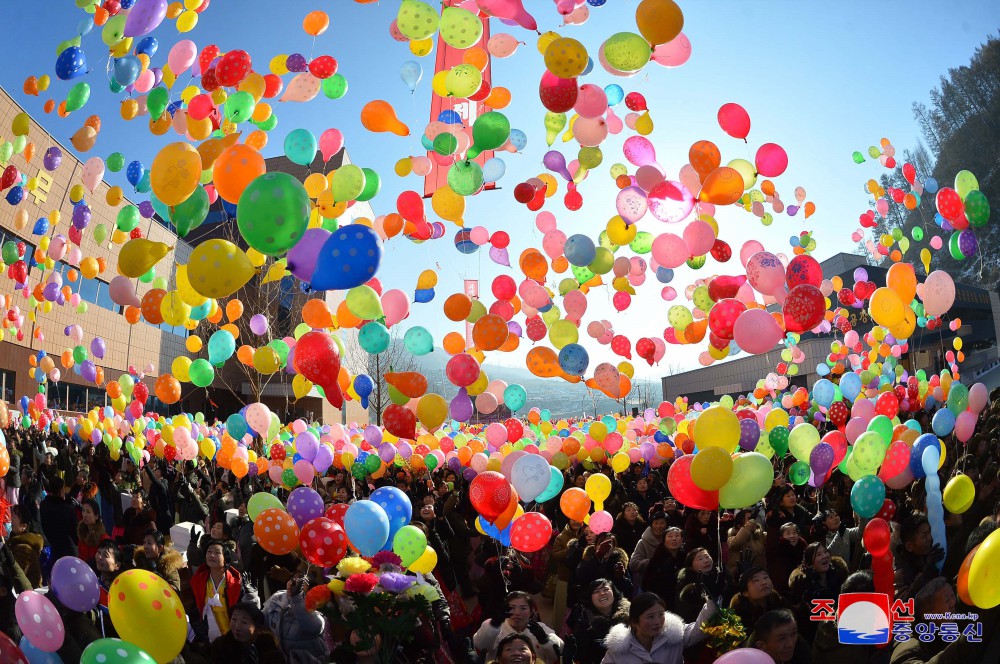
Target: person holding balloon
299, 631
604, 560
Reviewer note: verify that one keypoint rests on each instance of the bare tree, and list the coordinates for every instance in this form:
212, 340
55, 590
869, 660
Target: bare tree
395, 358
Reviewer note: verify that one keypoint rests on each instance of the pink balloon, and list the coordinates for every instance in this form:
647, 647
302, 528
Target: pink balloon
595, 329
553, 243
395, 305
631, 204
578, 16
601, 522
939, 293
330, 143
766, 273
501, 45
575, 305
545, 221
749, 248
647, 177
671, 202
771, 160
965, 425
674, 53
979, 397
122, 292
756, 331
93, 173
145, 81
39, 621
421, 166
615, 123
670, 250
479, 235
936, 242
182, 55
639, 151
661, 349
591, 101
863, 408
699, 237
590, 132
509, 9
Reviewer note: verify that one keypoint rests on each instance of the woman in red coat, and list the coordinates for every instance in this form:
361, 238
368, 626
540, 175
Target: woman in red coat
217, 587
90, 531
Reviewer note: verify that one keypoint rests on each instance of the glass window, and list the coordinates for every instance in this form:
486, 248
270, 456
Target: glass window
96, 397
7, 380
104, 297
77, 398
88, 290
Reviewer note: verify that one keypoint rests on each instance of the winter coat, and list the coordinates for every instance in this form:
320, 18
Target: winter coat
628, 534
27, 548
693, 586
262, 650
137, 523
667, 648
644, 550
778, 517
804, 586
488, 636
236, 591
591, 568
749, 613
167, 566
661, 574
782, 559
745, 542
89, 538
298, 630
59, 525
560, 549
827, 648
842, 542
590, 628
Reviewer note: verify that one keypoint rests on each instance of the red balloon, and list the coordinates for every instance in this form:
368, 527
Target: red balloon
500, 239
523, 192
723, 287
140, 392
803, 270
317, 358
909, 172
621, 301
462, 370
209, 80
734, 120
10, 177
278, 452
723, 315
804, 308
233, 68
949, 203
323, 542
483, 92
410, 206
9, 652
721, 251
620, 345
400, 421
573, 200
887, 404
490, 494
336, 513
272, 86
646, 349
208, 55
530, 532
536, 329
557, 94
504, 287
683, 488
876, 537
839, 413
514, 429
771, 160
634, 101
888, 510
324, 66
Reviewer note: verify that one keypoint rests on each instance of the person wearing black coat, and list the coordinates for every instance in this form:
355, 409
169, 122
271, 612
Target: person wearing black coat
59, 521
700, 579
603, 560
159, 499
600, 608
439, 532
666, 562
629, 527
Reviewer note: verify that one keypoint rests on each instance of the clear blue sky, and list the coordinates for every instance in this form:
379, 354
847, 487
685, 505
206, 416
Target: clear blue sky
821, 79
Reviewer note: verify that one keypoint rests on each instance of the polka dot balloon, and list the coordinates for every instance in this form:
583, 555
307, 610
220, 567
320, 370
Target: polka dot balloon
304, 504
39, 621
276, 531
139, 600
75, 584
323, 542
114, 651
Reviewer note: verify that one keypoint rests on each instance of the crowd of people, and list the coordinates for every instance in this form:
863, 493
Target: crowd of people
647, 591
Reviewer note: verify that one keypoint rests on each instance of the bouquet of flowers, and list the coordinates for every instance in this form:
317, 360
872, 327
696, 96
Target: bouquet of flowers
376, 603
725, 631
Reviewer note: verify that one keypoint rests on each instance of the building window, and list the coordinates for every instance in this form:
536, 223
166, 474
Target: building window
7, 382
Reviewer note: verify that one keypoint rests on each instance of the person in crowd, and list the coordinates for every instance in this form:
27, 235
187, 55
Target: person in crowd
12, 583
59, 521
755, 597
701, 531
137, 519
520, 616
90, 531
26, 545
654, 635
159, 496
643, 495
217, 587
784, 507
564, 574
777, 634
652, 538
839, 540
667, 561
698, 579
108, 561
155, 557
673, 511
784, 554
509, 571
818, 577
299, 631
219, 532
248, 639
746, 545
601, 607
826, 645
439, 533
604, 560
515, 649
629, 527
453, 507
916, 556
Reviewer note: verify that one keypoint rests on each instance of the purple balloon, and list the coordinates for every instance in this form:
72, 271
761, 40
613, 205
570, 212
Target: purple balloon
75, 584
296, 62
323, 459
144, 16
304, 504
81, 216
405, 450
146, 209
749, 434
52, 159
821, 459
157, 75
303, 256
455, 464
372, 435
469, 474
258, 324
88, 371
513, 327
306, 444
556, 162
386, 452
290, 365
98, 347
967, 242
51, 291
461, 406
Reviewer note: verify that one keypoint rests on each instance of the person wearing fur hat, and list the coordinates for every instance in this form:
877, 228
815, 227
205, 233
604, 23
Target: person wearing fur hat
155, 557
600, 609
654, 635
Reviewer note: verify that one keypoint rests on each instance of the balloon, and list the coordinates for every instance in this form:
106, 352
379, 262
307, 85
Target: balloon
751, 479
734, 120
138, 599
317, 358
276, 531
39, 621
711, 468
379, 116
659, 21
771, 160
959, 494
349, 258
75, 584
867, 496
530, 532
175, 173
218, 268
409, 543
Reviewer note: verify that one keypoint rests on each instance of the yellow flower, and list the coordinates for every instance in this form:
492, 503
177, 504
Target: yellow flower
336, 586
353, 565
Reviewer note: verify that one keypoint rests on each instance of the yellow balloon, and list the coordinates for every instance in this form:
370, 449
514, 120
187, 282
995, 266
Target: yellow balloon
254, 84
139, 599
626, 368
717, 427
218, 268
984, 588
421, 47
174, 309
181, 367
301, 386
448, 205
619, 232
545, 39
620, 462
265, 360
193, 343
316, 184
565, 57
139, 255
776, 418
427, 561
479, 386
432, 410
598, 488
711, 468
114, 196
959, 494
187, 293
438, 84
175, 173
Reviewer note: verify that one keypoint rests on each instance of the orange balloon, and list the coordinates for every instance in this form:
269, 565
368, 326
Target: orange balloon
94, 122
240, 467
767, 188
114, 389
167, 389
623, 181
276, 531
409, 383
453, 343
511, 344
810, 209
392, 225
490, 332
345, 318
29, 151
723, 186
151, 305
457, 307
560, 265
344, 379
101, 16
476, 57
315, 23
316, 314
231, 329
963, 577
533, 264
236, 168
507, 515
216, 316
705, 158
257, 139
234, 308
543, 362
50, 105
61, 111
574, 502
133, 314
499, 97
245, 354
379, 116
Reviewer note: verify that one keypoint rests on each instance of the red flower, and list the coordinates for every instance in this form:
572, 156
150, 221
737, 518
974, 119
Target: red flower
317, 597
361, 583
385, 558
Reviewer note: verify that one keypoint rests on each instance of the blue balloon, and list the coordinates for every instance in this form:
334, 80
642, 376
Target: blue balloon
423, 295
580, 250
134, 172
943, 422
555, 485
615, 94
144, 186
930, 460
917, 453
426, 143
85, 26
664, 275
127, 4
823, 392
931, 185
41, 227
463, 241
15, 195
350, 257
518, 139
36, 655
574, 359
127, 70
147, 45
363, 386
397, 507
503, 536
850, 386
229, 208
236, 426
449, 117
494, 169
367, 525
71, 63
411, 72
589, 68
300, 146
174, 106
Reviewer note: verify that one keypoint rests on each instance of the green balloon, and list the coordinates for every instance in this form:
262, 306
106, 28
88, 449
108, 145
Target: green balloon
582, 274
918, 233
266, 125
489, 131
115, 86
300, 146
201, 372
9, 252
753, 476
373, 463
77, 96
954, 248
627, 51
605, 241
417, 20
778, 439
398, 397
19, 143
347, 183
102, 651
590, 157
282, 349
335, 87
372, 185
114, 30
190, 214
465, 177
445, 143
409, 544
696, 262
357, 469
642, 243
156, 102
604, 260
373, 337
261, 501
288, 477
858, 157
239, 106
115, 162
460, 28
273, 213
148, 276
799, 473
128, 218
79, 354
977, 208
